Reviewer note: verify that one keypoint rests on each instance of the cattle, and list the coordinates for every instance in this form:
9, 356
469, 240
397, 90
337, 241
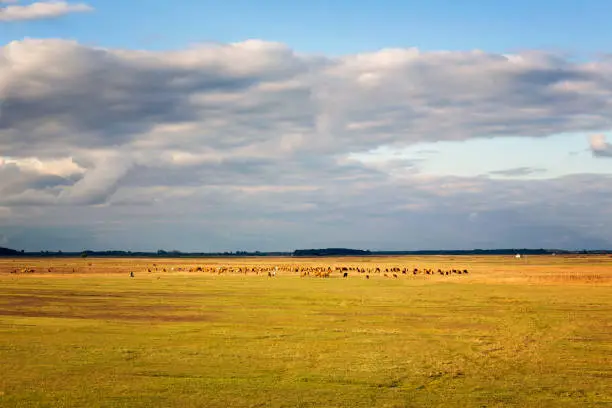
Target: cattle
305, 270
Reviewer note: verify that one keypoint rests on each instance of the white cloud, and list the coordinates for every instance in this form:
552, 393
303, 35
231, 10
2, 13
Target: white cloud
99, 182
600, 147
64, 167
40, 10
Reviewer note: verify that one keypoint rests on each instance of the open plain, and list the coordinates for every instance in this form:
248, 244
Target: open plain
224, 332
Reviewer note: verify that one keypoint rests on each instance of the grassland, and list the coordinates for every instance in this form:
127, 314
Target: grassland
534, 332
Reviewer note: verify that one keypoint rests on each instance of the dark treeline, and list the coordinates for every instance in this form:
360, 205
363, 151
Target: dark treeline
9, 252
331, 252
6, 252
129, 254
513, 251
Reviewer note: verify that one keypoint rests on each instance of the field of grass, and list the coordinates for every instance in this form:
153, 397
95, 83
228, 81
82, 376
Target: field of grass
534, 332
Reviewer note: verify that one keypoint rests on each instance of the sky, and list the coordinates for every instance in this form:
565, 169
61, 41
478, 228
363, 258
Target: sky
273, 125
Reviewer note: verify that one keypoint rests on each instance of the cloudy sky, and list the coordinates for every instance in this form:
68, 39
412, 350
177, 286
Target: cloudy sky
273, 125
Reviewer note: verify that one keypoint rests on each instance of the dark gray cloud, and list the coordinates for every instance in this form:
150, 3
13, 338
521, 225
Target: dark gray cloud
416, 213
102, 98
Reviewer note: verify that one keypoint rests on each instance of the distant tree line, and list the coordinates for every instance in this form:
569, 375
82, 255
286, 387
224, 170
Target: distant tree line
331, 252
6, 252
9, 252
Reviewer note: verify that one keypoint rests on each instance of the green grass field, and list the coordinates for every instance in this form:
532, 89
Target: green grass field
535, 333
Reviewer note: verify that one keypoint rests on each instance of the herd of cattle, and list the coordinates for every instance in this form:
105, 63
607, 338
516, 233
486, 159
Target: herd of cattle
302, 270
318, 271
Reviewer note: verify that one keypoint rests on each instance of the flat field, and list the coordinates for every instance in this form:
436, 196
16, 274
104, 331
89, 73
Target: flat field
532, 332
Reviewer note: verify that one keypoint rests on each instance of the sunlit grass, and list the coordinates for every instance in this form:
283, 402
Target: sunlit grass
509, 334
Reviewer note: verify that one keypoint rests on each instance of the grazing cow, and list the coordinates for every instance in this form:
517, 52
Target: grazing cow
367, 276
345, 275
131, 274
395, 275
465, 271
